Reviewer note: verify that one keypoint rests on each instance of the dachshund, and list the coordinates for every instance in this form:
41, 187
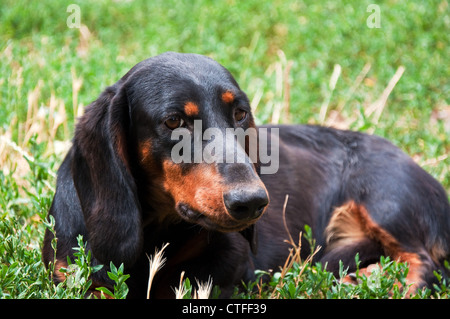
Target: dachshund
121, 187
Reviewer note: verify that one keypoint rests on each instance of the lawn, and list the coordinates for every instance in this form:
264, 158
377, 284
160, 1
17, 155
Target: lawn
383, 71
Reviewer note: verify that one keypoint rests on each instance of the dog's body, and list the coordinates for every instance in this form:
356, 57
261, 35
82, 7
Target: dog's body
119, 188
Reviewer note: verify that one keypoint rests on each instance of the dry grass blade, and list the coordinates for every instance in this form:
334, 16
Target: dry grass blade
180, 291
291, 241
361, 76
294, 255
156, 262
377, 107
332, 85
77, 83
292, 252
282, 70
204, 288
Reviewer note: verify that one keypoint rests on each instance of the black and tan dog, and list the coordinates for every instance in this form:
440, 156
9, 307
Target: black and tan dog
120, 188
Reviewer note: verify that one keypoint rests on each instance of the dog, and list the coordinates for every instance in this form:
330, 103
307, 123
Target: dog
120, 188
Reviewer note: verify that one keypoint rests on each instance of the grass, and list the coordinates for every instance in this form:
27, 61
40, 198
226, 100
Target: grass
298, 61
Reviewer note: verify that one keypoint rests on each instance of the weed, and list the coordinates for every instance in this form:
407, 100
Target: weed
307, 280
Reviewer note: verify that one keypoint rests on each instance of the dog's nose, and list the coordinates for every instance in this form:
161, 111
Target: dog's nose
244, 203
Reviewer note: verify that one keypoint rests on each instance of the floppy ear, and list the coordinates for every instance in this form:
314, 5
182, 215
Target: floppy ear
103, 180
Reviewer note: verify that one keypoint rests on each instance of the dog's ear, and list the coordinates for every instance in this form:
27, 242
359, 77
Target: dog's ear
251, 235
103, 180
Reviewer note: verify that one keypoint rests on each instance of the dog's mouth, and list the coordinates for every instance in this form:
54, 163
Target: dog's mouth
225, 225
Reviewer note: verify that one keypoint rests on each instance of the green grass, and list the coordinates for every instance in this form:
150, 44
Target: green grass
283, 54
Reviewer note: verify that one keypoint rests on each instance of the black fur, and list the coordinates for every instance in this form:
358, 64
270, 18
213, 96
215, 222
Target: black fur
104, 193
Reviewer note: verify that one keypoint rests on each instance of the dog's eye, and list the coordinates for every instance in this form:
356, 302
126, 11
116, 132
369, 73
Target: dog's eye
239, 115
174, 122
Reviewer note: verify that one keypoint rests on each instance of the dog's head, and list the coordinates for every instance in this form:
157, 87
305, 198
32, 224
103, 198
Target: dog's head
169, 141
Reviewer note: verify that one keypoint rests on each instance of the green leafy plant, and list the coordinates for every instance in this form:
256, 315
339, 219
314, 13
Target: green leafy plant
120, 287
78, 276
78, 273
307, 280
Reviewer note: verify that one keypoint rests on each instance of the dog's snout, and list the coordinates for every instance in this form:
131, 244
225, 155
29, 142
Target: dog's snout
244, 203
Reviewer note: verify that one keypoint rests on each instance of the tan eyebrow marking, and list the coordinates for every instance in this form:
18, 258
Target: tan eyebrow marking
228, 97
191, 109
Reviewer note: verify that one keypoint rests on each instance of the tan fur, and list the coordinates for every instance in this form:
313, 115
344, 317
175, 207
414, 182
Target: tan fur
60, 276
351, 223
145, 151
201, 188
191, 109
228, 97
344, 227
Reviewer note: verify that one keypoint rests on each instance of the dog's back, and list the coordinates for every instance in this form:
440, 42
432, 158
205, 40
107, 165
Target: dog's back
324, 169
